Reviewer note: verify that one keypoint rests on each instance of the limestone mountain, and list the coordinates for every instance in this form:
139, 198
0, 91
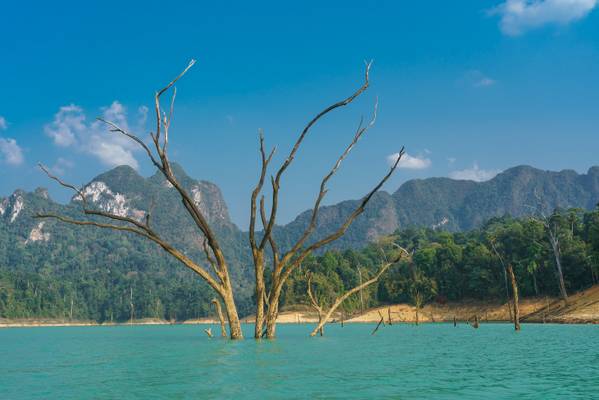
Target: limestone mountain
454, 205
46, 262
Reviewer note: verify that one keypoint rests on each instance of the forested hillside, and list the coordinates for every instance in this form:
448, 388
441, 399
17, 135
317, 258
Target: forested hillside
49, 269
448, 266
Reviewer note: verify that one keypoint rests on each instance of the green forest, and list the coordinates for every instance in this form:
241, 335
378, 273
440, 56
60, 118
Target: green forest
443, 267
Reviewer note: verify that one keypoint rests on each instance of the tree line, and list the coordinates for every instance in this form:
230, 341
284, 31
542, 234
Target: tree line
448, 266
443, 266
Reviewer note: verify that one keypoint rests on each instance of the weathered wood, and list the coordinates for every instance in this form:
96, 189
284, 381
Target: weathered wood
219, 313
382, 321
515, 299
283, 265
339, 300
382, 318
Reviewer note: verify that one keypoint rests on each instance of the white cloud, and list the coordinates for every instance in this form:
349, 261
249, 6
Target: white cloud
68, 124
519, 16
451, 160
11, 152
70, 128
409, 162
474, 174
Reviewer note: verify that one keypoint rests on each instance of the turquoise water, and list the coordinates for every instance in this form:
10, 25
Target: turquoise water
399, 362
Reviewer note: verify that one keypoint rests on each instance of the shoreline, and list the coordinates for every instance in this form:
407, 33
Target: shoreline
581, 308
74, 324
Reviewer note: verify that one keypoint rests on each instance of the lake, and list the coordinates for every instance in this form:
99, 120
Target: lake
399, 362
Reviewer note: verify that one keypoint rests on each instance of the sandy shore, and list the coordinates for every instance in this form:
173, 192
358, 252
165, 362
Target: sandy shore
582, 307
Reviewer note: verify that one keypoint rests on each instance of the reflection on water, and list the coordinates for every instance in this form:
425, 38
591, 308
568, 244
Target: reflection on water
400, 361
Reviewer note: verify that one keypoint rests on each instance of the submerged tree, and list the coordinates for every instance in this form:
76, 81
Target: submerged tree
284, 264
324, 315
218, 278
214, 269
506, 241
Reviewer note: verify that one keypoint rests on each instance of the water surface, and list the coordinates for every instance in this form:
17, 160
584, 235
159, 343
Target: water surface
399, 362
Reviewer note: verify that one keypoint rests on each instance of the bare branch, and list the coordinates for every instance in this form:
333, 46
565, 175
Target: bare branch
148, 235
276, 181
167, 123
273, 245
265, 161
211, 260
221, 318
323, 189
157, 106
355, 289
337, 234
311, 296
62, 183
117, 129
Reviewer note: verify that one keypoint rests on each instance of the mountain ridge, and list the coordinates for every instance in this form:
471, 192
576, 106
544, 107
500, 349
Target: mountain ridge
436, 202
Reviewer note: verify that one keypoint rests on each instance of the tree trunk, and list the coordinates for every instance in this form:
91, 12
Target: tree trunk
260, 294
339, 300
321, 330
221, 318
558, 265
273, 312
515, 299
271, 322
231, 309
507, 295
382, 321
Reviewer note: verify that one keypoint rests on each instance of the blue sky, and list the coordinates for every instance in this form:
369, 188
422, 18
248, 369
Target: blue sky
470, 88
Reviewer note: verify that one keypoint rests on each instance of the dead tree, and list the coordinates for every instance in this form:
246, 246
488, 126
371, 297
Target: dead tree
315, 304
382, 321
510, 272
551, 227
221, 318
552, 230
323, 317
218, 277
284, 264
